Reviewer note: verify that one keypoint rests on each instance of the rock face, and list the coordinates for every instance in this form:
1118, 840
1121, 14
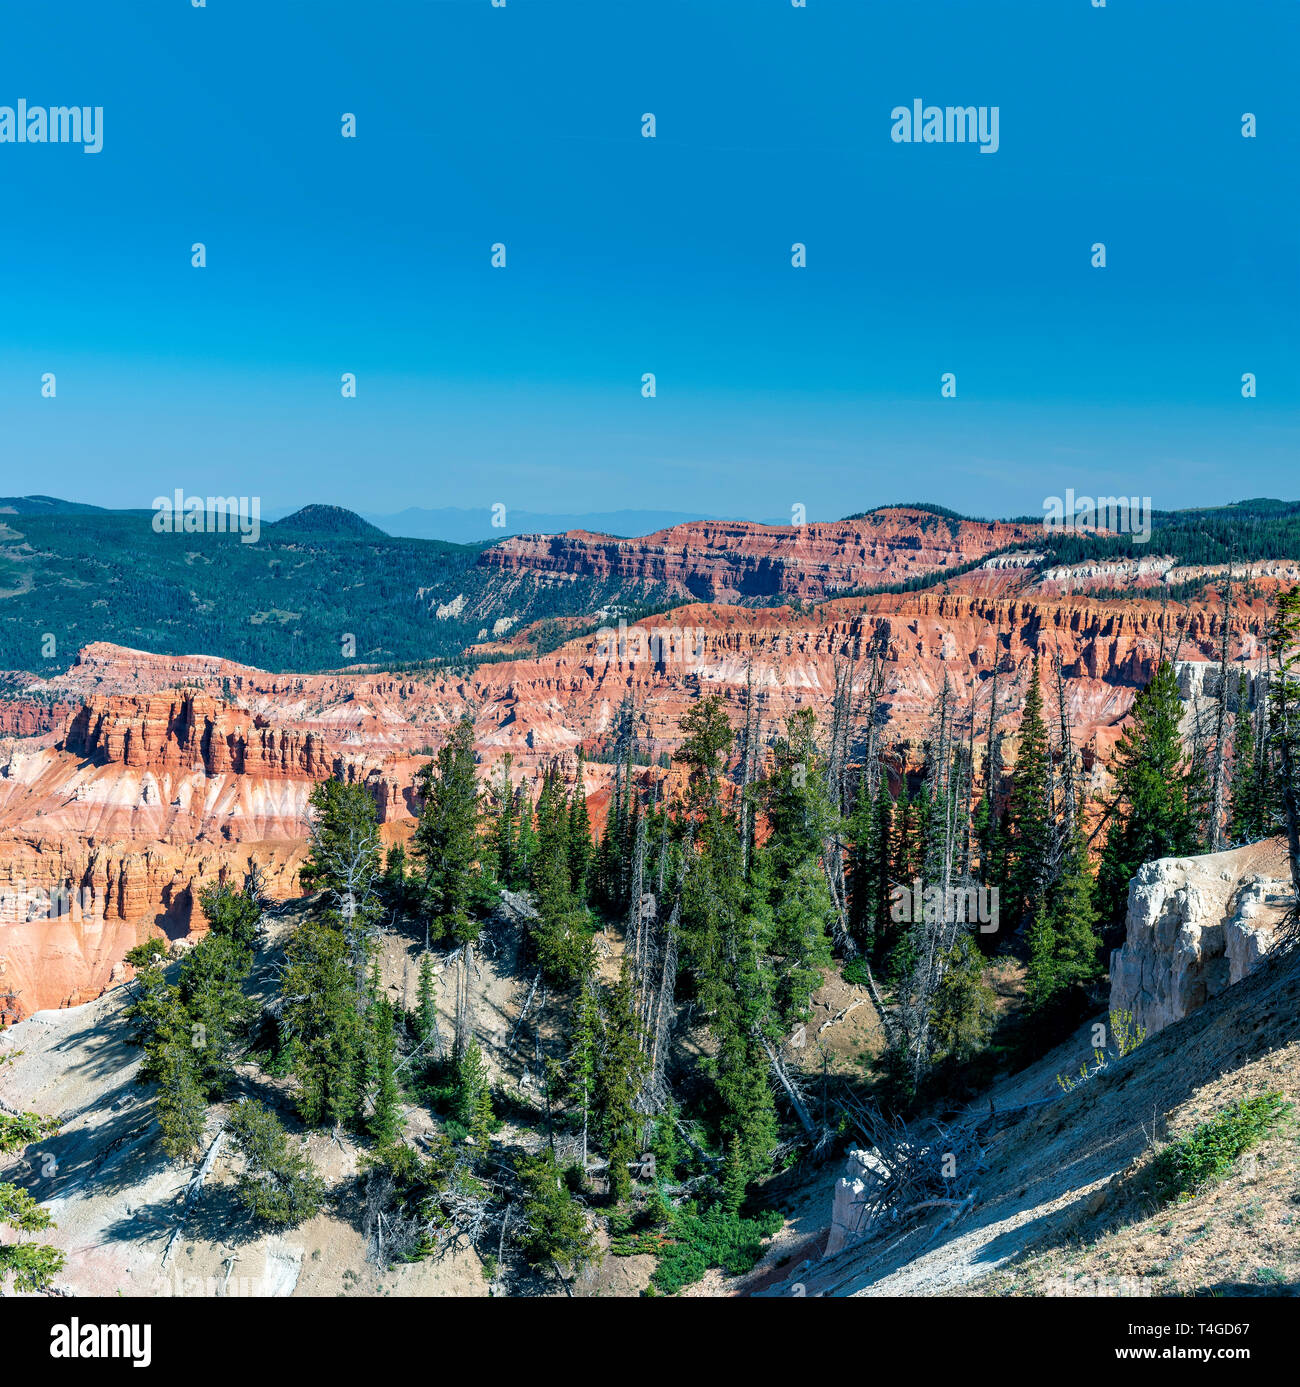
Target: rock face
110, 835
719, 561
1195, 926
853, 1192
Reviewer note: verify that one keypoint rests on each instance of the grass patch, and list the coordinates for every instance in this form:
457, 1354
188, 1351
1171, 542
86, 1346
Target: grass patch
1206, 1154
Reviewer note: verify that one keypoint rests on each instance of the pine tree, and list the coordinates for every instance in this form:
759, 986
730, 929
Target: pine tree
964, 1004
1155, 812
323, 1024
1063, 940
181, 1107
231, 914
861, 831
32, 1266
1248, 798
560, 941
472, 1098
526, 842
277, 1183
882, 877
1030, 812
446, 840
393, 883
212, 980
1284, 724
505, 828
384, 1120
344, 844
579, 832
618, 1077
426, 1004
584, 1043
553, 1226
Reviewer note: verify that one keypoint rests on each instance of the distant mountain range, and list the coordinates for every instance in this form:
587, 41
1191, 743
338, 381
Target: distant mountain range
323, 587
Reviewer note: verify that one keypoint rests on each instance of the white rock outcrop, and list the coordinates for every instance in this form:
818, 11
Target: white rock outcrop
853, 1191
1195, 926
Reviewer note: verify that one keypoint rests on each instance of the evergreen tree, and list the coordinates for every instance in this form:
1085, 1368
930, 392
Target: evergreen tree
1154, 816
964, 1004
181, 1107
277, 1183
579, 833
446, 840
162, 1026
503, 834
553, 1227
560, 941
1284, 735
324, 1025
618, 1077
1029, 868
1251, 814
526, 842
472, 1097
723, 928
1063, 941
343, 852
384, 1119
231, 914
584, 1050
426, 1003
393, 884
32, 1266
862, 874
212, 979
882, 877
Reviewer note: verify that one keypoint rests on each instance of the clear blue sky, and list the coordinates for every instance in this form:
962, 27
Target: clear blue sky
821, 386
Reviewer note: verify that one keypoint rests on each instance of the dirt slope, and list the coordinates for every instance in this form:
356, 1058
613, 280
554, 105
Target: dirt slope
1067, 1169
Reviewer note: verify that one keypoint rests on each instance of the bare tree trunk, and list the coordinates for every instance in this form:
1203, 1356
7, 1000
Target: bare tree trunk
792, 1093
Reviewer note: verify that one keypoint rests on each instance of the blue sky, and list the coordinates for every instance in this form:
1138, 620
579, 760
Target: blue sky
626, 255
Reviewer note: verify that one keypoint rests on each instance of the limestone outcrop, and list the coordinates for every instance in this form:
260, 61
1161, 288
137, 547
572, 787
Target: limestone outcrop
1195, 926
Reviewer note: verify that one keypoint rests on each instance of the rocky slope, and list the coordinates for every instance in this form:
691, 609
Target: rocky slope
1061, 1168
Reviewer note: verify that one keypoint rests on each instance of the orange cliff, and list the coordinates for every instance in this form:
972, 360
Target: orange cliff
109, 835
737, 561
156, 790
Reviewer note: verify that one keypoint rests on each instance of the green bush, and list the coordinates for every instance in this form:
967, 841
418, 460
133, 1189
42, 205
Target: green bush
1207, 1153
714, 1238
856, 971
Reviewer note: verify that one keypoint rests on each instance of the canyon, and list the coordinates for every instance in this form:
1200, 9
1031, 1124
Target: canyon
139, 779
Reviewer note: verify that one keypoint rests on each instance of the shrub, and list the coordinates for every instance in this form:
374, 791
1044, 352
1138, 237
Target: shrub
1206, 1154
714, 1238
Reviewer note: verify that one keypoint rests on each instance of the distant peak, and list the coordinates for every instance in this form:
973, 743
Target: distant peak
334, 521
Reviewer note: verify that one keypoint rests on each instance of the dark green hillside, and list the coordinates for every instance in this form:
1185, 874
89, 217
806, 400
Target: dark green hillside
325, 522
284, 603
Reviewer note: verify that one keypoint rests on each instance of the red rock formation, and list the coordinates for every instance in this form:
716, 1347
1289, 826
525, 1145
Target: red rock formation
734, 561
157, 790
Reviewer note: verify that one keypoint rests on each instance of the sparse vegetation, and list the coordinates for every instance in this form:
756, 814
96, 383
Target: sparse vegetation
1188, 1165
